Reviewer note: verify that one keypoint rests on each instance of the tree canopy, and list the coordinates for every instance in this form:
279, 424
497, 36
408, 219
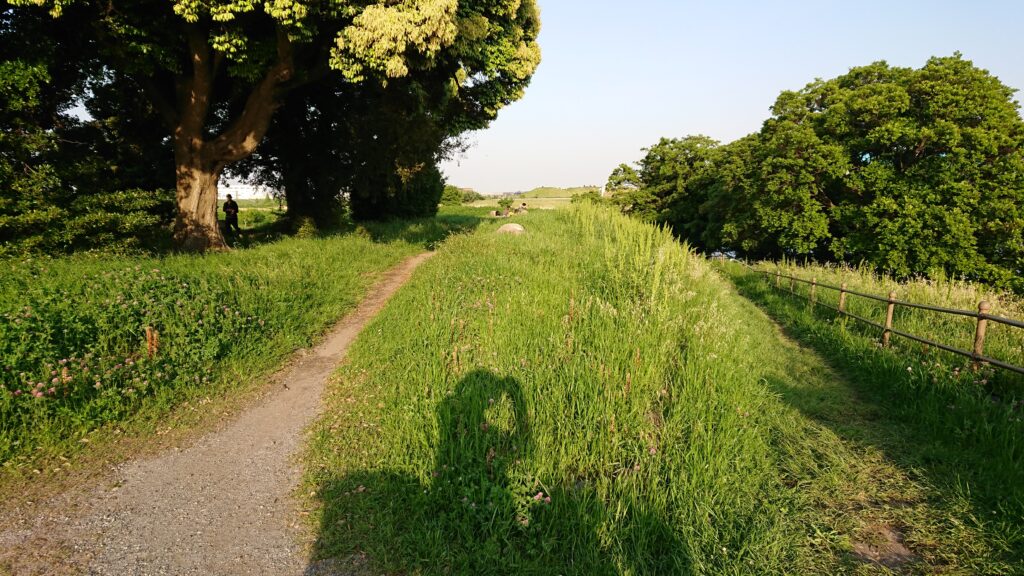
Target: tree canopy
914, 171
214, 72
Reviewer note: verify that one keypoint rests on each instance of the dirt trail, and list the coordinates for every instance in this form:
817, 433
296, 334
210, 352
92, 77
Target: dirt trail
223, 505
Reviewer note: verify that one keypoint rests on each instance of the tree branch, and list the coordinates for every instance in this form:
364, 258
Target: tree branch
197, 90
246, 132
163, 105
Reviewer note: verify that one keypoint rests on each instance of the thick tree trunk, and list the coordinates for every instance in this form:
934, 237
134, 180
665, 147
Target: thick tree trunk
199, 161
196, 228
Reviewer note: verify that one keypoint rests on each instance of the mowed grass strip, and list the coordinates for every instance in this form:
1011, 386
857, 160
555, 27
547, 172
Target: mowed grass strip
959, 431
589, 398
73, 350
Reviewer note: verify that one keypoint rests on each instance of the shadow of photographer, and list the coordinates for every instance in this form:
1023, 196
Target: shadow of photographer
481, 510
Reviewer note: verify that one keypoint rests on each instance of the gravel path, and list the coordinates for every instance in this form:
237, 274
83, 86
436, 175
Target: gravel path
221, 506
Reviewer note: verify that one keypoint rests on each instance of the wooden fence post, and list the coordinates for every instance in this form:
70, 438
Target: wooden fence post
979, 332
888, 318
778, 278
792, 284
842, 297
814, 291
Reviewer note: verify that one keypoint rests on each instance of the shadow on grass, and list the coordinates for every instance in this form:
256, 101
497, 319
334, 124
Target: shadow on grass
927, 418
476, 511
270, 226
427, 232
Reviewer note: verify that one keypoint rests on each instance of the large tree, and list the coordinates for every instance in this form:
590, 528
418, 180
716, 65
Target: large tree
68, 183
914, 171
377, 145
216, 70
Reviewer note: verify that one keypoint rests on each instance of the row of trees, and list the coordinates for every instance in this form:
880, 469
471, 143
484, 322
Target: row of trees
325, 99
914, 171
455, 196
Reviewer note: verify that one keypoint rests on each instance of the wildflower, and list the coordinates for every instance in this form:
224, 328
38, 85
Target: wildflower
547, 499
909, 369
538, 496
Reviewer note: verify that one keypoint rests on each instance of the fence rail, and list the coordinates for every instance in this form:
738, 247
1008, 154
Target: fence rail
982, 317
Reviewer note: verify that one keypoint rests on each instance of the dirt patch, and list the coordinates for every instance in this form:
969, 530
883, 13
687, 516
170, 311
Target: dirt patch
221, 506
883, 545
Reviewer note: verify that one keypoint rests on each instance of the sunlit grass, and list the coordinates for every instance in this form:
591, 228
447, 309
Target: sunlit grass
73, 351
1002, 342
590, 398
961, 429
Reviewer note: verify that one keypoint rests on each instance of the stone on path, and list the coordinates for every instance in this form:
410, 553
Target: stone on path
511, 229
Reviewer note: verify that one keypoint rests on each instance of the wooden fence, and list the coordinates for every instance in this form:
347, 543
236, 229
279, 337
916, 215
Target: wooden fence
982, 316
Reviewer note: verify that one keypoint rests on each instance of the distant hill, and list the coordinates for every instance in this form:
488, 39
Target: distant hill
551, 192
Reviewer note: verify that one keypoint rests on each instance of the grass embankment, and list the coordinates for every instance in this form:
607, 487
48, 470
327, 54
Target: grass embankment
552, 192
589, 398
531, 203
960, 431
73, 349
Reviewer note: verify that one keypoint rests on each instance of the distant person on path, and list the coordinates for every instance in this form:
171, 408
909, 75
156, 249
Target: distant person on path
231, 215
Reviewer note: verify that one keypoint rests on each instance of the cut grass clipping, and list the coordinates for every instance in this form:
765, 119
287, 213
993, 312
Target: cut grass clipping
590, 398
73, 349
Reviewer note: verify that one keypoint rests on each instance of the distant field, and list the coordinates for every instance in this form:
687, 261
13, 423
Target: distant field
551, 192
254, 203
531, 203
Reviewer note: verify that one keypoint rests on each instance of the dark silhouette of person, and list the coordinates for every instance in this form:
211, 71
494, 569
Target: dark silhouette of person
483, 500
231, 215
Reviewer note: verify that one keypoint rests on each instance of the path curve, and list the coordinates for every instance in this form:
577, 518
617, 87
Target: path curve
223, 505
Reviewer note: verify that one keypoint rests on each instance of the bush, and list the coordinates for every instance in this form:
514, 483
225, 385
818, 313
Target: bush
126, 220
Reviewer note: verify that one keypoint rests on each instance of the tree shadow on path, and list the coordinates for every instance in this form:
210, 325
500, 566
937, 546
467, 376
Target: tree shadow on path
479, 510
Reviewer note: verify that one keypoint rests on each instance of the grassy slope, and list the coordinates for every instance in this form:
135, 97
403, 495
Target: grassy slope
958, 432
1003, 342
551, 192
75, 325
596, 363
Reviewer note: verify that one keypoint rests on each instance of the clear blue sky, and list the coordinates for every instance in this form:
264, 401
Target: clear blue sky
616, 76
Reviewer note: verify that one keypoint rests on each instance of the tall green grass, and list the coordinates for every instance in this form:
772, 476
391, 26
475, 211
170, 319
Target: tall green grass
1003, 342
590, 398
961, 429
73, 354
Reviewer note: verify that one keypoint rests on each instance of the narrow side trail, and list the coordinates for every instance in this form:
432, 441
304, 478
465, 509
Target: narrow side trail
223, 505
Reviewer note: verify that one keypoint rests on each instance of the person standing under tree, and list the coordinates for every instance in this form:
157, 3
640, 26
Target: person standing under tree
231, 215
